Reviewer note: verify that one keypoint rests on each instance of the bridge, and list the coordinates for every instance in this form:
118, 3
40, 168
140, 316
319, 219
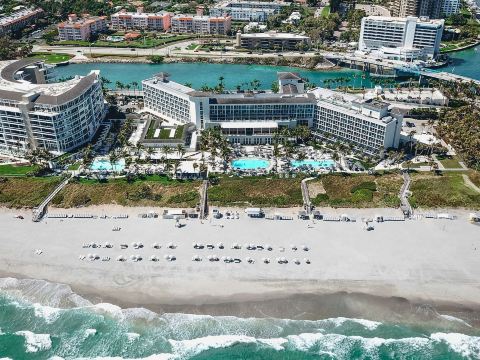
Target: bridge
439, 75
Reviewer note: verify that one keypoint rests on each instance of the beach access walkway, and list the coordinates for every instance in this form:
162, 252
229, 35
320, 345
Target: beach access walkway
204, 200
39, 211
404, 203
307, 204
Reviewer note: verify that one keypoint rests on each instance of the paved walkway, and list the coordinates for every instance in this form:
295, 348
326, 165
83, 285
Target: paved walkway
470, 184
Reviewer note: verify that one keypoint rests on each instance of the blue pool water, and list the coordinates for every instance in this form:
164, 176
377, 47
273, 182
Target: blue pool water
313, 163
250, 164
105, 165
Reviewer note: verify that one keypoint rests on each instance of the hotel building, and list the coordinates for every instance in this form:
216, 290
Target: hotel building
36, 113
252, 118
81, 28
248, 10
124, 20
18, 19
404, 39
367, 125
272, 41
201, 24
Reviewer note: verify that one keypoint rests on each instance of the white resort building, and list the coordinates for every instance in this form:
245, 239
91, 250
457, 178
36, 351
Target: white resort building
248, 10
36, 113
368, 125
405, 39
253, 117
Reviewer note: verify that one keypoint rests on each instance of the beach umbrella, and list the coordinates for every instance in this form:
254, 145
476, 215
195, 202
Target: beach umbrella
307, 261
296, 261
133, 257
167, 257
305, 248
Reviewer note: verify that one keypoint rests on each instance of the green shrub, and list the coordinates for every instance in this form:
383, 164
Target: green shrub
362, 195
367, 185
184, 197
321, 198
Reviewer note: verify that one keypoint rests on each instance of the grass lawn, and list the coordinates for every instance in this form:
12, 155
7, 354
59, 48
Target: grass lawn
325, 11
140, 43
192, 46
256, 191
13, 170
359, 191
449, 162
447, 190
52, 58
151, 191
164, 132
25, 192
74, 166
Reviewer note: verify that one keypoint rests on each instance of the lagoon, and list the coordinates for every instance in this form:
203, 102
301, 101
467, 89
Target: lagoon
199, 74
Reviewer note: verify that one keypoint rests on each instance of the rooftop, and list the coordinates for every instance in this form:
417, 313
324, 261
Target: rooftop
18, 15
275, 35
50, 93
423, 20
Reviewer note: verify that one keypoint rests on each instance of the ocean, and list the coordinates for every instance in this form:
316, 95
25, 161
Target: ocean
40, 320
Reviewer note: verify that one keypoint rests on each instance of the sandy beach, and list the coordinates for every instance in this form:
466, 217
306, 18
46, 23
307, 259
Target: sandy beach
426, 261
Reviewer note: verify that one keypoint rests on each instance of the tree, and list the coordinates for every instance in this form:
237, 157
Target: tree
180, 151
275, 87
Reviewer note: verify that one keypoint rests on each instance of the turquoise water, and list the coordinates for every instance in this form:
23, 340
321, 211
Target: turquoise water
105, 165
250, 164
198, 74
30, 330
313, 163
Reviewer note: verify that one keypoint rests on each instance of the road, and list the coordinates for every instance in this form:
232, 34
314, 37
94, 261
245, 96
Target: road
174, 50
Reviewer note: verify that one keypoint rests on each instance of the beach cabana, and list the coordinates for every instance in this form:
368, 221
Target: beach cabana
254, 212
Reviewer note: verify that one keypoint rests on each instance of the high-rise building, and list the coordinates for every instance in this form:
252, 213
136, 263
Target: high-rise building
451, 7
404, 8
38, 113
405, 39
431, 8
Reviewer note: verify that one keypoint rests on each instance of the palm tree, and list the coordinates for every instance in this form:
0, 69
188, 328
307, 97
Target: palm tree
150, 151
118, 85
180, 151
139, 148
134, 85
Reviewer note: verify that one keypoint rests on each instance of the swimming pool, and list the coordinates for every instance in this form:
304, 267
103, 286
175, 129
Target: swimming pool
313, 163
250, 164
105, 165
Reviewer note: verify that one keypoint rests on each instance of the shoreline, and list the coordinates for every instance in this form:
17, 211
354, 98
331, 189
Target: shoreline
295, 62
436, 267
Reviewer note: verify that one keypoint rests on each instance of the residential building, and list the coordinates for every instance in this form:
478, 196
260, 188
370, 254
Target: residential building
248, 10
201, 24
451, 7
406, 39
18, 19
37, 113
81, 28
252, 118
273, 41
367, 125
430, 8
124, 20
294, 18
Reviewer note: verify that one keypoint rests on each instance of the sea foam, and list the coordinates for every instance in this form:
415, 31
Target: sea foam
466, 346
35, 342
